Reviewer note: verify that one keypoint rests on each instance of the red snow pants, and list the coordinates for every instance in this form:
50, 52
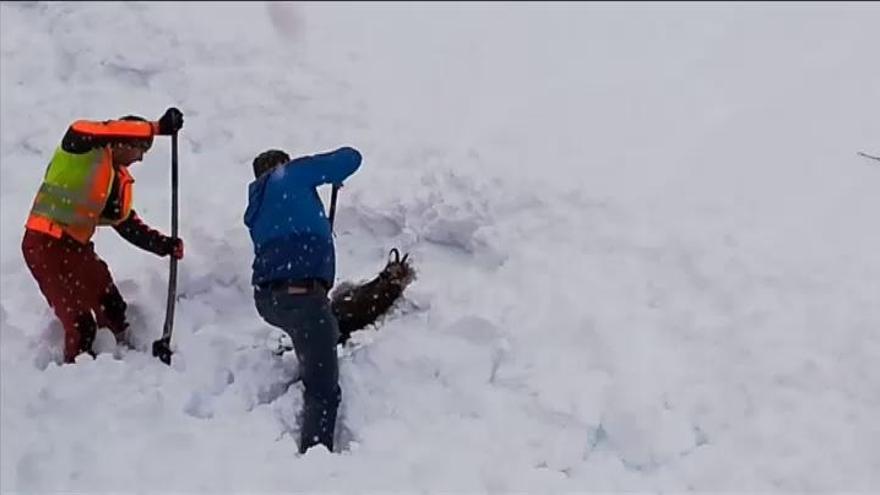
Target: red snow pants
78, 286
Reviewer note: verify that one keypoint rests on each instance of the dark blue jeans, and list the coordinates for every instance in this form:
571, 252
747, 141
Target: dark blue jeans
308, 320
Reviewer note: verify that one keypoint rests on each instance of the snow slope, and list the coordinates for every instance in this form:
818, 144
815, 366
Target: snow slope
649, 256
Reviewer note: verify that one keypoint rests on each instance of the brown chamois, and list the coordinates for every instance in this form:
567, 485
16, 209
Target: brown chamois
359, 305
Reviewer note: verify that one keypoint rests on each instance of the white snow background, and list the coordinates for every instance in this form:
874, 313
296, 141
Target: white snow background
648, 252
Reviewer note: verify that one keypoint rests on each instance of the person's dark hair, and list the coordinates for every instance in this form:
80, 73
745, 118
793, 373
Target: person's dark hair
144, 143
268, 160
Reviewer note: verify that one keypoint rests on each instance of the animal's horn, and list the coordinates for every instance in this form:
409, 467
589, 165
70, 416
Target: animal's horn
396, 255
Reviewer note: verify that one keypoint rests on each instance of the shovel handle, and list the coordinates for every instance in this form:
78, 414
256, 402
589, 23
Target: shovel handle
333, 195
162, 347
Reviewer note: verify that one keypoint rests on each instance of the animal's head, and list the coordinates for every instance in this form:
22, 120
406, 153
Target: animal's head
398, 271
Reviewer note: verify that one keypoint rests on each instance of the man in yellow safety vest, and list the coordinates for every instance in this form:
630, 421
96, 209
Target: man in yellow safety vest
87, 184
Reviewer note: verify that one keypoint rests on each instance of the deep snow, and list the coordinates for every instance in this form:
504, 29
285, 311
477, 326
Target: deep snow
649, 256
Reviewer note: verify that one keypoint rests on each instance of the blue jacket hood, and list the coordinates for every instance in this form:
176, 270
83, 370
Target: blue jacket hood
256, 191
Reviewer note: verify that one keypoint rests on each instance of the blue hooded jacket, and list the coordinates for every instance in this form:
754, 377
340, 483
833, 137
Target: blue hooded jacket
286, 219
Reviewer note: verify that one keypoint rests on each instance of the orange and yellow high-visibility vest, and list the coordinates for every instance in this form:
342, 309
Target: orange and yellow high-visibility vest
76, 187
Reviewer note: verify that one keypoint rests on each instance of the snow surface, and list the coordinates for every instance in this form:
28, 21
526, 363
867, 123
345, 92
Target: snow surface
649, 256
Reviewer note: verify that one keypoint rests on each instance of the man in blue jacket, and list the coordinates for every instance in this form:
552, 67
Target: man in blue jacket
294, 268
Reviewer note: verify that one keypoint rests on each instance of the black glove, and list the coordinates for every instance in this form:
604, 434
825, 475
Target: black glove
171, 122
172, 247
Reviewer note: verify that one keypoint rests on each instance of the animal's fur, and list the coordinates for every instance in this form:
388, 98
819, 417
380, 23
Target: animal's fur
359, 305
